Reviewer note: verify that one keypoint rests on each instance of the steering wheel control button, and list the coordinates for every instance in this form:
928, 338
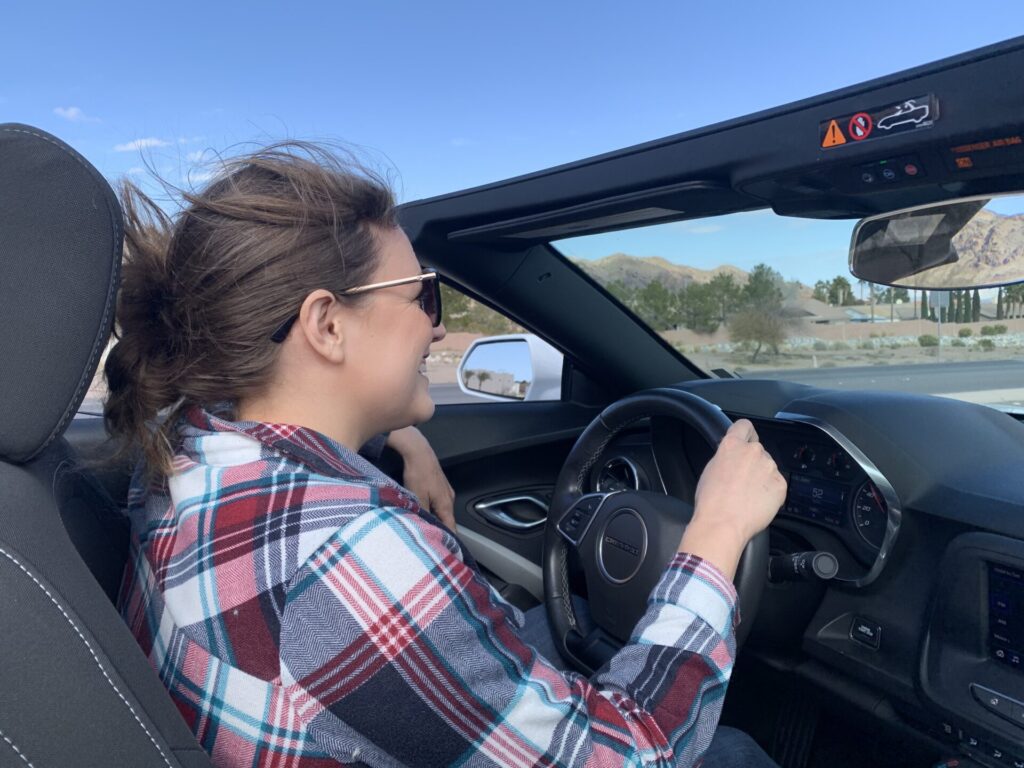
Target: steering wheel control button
993, 700
866, 632
574, 524
1017, 713
623, 546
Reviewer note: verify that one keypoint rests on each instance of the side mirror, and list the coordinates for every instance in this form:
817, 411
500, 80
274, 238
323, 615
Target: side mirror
514, 367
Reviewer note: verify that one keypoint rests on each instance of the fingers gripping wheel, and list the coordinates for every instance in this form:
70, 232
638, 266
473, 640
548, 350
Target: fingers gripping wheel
625, 539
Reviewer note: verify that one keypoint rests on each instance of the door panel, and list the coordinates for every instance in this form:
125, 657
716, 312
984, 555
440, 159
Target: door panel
499, 450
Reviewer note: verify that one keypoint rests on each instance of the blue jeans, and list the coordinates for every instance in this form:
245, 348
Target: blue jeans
730, 748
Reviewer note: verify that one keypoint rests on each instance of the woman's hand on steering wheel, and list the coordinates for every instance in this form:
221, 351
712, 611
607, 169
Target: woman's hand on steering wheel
738, 495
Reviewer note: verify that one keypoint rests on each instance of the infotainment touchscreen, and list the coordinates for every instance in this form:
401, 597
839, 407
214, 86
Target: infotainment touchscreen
1006, 614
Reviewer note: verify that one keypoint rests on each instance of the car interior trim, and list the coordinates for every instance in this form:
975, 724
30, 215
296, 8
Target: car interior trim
492, 511
894, 509
508, 565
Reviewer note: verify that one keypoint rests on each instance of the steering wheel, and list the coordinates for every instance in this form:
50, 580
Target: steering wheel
625, 539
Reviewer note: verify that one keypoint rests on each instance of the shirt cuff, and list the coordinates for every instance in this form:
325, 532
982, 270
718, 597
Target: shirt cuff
696, 584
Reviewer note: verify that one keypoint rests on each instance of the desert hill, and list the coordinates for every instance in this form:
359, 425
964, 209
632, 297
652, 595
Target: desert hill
638, 271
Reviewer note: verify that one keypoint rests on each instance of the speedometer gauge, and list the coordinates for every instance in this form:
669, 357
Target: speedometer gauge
870, 514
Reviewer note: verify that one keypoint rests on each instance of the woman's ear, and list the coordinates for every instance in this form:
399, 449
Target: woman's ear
320, 325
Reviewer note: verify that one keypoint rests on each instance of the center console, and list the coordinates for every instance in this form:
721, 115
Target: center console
972, 661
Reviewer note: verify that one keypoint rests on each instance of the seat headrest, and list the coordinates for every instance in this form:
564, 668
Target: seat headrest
61, 233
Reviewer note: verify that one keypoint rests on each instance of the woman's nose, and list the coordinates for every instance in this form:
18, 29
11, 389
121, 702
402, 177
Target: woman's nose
439, 332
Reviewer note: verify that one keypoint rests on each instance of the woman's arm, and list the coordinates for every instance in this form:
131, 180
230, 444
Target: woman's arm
393, 646
422, 473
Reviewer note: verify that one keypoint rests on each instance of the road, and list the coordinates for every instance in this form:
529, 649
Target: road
999, 382
996, 382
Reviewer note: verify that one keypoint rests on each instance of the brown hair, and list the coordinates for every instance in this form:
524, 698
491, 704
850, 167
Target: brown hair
202, 292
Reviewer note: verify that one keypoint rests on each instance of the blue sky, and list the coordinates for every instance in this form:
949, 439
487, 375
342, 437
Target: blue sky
452, 94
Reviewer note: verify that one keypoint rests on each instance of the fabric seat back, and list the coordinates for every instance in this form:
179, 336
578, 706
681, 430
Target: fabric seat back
75, 689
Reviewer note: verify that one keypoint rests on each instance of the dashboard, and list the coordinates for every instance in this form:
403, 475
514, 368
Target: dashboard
921, 501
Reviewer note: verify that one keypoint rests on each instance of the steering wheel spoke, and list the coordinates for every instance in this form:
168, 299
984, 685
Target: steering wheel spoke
625, 539
576, 522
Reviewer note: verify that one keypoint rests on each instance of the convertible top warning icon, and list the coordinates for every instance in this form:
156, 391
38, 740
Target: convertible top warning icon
878, 122
909, 112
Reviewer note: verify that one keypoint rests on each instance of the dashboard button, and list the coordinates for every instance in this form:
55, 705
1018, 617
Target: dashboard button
866, 632
993, 700
1017, 713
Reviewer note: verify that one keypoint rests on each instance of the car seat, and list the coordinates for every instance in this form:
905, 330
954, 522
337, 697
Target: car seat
75, 689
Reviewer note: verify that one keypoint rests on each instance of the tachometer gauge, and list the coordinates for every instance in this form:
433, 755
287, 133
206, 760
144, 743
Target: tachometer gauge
870, 514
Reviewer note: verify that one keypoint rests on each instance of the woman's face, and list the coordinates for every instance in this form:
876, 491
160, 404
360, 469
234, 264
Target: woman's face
387, 351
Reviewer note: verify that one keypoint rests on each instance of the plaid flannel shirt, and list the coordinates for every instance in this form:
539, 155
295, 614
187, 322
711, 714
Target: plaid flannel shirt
303, 611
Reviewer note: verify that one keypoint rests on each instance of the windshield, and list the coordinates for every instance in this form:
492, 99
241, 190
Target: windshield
766, 296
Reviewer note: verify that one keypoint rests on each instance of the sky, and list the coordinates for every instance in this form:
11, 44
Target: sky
449, 95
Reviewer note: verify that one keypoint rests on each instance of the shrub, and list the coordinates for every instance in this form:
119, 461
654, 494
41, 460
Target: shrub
999, 329
988, 330
840, 346
867, 344
987, 344
928, 340
958, 343
820, 346
964, 333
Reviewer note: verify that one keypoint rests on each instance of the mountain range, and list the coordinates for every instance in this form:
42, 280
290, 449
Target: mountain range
638, 271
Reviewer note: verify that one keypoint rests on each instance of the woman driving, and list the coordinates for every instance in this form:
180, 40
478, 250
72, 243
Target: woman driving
301, 607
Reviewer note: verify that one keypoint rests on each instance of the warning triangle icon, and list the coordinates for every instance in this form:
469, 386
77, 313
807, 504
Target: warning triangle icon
833, 136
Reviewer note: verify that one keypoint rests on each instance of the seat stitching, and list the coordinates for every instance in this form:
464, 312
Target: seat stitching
92, 653
17, 751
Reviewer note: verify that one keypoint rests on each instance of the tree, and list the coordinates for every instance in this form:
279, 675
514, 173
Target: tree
757, 326
622, 292
999, 304
699, 308
943, 314
657, 306
976, 307
725, 293
840, 293
462, 313
821, 291
763, 289
924, 305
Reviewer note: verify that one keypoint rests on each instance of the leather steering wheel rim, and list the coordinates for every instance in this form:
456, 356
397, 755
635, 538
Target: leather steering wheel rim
711, 424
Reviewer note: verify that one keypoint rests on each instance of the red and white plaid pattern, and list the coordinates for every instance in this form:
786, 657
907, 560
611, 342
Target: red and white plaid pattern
303, 612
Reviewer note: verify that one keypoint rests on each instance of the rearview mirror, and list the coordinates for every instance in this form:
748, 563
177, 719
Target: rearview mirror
975, 242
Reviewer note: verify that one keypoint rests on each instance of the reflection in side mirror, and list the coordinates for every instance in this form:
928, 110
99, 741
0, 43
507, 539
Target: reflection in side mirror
968, 243
514, 367
501, 369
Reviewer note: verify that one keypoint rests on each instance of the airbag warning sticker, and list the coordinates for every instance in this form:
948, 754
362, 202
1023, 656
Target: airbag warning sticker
879, 123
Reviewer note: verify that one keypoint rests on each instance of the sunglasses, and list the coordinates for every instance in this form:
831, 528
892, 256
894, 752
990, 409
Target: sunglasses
429, 299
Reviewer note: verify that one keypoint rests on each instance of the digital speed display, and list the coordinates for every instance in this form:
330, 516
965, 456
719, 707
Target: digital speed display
816, 499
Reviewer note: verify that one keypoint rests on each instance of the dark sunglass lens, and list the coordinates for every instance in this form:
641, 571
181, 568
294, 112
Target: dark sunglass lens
435, 302
430, 300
